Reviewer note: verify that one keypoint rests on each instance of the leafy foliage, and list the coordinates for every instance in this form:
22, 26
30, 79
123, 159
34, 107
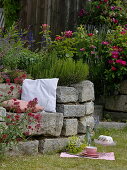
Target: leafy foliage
11, 10
75, 145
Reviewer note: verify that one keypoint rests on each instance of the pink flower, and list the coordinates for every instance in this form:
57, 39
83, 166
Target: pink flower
98, 6
82, 12
8, 81
12, 88
115, 52
58, 38
119, 61
82, 49
44, 27
113, 7
105, 42
123, 62
110, 61
114, 56
93, 46
90, 34
68, 34
113, 68
114, 20
123, 32
93, 52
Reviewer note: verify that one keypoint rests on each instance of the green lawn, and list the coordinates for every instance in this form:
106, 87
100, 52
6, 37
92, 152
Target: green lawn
54, 162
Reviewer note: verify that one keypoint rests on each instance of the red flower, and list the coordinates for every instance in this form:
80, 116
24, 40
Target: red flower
123, 32
4, 136
113, 68
90, 34
8, 81
58, 38
12, 88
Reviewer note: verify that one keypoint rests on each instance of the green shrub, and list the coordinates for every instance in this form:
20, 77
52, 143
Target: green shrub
75, 145
67, 70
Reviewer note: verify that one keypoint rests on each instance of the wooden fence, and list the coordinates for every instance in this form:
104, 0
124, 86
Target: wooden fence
61, 15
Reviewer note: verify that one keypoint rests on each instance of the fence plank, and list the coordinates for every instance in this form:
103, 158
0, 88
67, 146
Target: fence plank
59, 14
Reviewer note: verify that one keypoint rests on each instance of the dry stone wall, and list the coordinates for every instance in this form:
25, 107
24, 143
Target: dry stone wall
116, 106
75, 108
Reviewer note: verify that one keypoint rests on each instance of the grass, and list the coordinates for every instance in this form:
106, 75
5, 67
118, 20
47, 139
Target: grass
54, 162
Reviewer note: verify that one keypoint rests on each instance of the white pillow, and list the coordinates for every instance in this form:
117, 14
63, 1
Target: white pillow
42, 89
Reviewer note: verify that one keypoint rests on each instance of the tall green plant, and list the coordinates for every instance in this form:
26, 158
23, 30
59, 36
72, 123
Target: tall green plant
11, 11
67, 70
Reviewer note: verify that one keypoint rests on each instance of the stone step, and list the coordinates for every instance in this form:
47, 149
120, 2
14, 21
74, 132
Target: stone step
114, 125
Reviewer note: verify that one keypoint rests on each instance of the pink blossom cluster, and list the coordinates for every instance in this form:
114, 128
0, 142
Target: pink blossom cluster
68, 34
116, 58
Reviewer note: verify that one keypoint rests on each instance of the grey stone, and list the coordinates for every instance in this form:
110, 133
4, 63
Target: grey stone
116, 103
24, 148
5, 88
98, 112
113, 125
83, 122
89, 108
116, 116
55, 144
2, 114
52, 145
85, 91
123, 87
50, 125
70, 127
66, 94
71, 110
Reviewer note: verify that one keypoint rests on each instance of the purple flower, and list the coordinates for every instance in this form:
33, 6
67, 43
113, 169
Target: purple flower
105, 42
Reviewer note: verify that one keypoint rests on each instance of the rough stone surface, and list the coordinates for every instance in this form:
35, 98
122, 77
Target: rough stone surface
123, 87
85, 91
83, 122
71, 110
116, 116
116, 103
66, 94
5, 88
52, 145
2, 113
25, 148
55, 144
70, 127
51, 124
115, 125
98, 112
89, 108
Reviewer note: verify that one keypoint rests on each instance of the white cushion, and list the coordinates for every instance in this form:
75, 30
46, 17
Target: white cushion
42, 89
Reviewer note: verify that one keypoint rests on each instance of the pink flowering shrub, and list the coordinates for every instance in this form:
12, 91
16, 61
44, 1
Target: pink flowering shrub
116, 67
19, 125
110, 13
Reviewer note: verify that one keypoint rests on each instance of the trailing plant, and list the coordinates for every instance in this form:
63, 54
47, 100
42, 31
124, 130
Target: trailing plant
18, 125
